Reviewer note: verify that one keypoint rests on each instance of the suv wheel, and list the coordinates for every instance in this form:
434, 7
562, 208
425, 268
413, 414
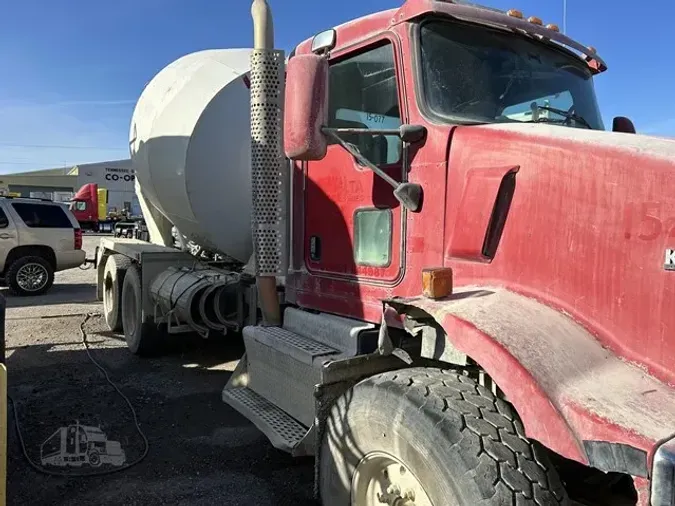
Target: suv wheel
31, 275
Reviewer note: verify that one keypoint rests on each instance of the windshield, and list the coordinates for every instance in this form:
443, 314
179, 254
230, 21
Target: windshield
77, 205
474, 74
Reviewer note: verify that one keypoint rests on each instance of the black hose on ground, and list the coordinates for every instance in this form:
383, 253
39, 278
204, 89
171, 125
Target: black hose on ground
103, 370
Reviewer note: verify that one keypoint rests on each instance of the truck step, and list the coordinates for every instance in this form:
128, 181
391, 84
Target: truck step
284, 367
338, 332
283, 431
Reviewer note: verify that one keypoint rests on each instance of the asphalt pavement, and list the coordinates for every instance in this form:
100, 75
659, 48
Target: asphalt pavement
200, 451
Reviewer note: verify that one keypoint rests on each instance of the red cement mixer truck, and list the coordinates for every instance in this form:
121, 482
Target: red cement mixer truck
451, 279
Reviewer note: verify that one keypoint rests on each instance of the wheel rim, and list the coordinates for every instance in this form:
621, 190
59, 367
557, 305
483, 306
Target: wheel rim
129, 316
32, 277
381, 479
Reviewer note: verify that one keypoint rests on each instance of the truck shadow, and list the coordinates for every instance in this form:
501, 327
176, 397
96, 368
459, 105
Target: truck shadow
60, 293
199, 447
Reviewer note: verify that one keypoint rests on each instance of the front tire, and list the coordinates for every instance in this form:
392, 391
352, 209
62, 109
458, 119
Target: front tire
32, 275
94, 459
433, 435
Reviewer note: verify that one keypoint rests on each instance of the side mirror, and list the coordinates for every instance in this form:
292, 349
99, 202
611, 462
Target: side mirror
622, 124
306, 107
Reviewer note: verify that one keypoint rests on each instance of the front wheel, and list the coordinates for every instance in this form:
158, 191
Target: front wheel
94, 459
427, 437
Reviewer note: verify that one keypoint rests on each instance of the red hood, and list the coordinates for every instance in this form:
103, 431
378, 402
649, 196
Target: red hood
592, 216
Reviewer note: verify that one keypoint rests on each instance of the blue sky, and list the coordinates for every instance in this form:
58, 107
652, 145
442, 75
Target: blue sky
70, 71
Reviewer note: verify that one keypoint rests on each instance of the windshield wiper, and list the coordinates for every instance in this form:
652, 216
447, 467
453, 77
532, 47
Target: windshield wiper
568, 115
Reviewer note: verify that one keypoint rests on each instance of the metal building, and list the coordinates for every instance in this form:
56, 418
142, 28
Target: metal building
60, 184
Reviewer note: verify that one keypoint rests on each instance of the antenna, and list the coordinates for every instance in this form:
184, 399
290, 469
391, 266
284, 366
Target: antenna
564, 16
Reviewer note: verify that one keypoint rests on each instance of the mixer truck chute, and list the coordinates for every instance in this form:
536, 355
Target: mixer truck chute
429, 290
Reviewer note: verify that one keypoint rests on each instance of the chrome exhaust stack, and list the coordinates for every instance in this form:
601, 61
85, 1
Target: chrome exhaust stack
269, 172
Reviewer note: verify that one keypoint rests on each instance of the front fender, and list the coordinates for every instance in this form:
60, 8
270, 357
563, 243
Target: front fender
573, 395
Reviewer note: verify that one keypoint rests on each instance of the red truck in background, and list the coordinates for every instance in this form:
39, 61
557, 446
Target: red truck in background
89, 205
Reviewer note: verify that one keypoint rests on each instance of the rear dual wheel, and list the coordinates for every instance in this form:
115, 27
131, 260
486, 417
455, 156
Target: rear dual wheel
116, 267
123, 305
142, 337
425, 437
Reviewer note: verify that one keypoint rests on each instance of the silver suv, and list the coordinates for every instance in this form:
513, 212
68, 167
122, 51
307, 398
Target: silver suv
37, 239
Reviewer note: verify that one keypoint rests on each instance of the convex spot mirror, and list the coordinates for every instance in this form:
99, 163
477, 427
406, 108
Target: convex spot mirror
324, 41
623, 124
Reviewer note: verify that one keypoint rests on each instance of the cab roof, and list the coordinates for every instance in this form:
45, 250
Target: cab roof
364, 27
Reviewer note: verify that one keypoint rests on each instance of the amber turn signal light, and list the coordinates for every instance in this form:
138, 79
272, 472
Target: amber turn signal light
437, 283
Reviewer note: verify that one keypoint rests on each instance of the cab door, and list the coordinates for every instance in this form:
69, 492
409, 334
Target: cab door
353, 223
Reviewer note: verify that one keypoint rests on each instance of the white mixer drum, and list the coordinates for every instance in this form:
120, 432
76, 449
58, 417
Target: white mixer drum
190, 147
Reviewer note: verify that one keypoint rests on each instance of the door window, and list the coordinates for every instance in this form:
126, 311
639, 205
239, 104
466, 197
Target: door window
363, 94
372, 237
42, 216
4, 222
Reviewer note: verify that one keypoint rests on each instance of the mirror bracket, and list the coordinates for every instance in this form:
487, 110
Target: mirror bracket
412, 134
408, 194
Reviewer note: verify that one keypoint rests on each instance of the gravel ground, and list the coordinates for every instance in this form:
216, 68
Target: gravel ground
201, 451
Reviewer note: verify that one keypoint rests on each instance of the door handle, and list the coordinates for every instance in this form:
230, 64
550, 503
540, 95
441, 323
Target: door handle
6, 236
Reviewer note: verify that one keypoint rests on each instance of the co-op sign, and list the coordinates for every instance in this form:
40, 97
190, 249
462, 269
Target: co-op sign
115, 174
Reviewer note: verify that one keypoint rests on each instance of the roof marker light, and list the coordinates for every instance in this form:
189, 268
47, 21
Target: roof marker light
515, 13
592, 49
553, 27
535, 20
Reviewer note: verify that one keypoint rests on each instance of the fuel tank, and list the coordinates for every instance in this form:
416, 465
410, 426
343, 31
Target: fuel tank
190, 148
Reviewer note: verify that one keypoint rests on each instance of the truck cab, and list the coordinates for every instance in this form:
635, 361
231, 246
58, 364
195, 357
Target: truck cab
89, 205
552, 236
